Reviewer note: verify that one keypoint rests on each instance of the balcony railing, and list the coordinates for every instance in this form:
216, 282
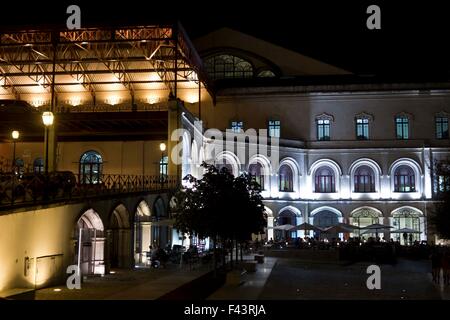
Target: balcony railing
29, 189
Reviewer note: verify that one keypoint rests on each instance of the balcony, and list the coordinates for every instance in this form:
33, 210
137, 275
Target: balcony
36, 189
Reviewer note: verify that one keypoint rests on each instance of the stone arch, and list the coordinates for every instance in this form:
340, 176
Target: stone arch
313, 212
186, 154
90, 243
229, 158
142, 232
195, 164
372, 165
364, 216
266, 169
408, 217
334, 166
411, 164
293, 165
119, 237
160, 229
324, 217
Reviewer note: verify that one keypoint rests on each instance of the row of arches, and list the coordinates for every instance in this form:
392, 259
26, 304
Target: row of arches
327, 216
121, 239
365, 174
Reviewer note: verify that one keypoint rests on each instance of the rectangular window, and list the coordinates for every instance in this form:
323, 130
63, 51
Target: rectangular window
237, 126
323, 129
362, 129
441, 128
402, 128
443, 183
274, 128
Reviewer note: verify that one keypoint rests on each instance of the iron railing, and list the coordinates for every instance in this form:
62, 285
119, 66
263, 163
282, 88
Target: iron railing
28, 189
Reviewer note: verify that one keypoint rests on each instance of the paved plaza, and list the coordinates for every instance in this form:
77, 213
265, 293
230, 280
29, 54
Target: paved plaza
275, 279
294, 279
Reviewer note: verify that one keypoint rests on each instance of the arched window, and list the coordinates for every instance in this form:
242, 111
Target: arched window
225, 66
91, 167
286, 178
257, 172
364, 179
38, 165
325, 180
404, 179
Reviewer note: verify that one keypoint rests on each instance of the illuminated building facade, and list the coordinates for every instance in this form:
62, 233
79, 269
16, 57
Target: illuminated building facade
351, 149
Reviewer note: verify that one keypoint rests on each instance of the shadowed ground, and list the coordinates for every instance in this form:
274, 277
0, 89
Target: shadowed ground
294, 279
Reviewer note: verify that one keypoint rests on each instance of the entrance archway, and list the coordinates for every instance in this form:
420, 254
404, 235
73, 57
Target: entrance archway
408, 217
363, 217
90, 243
142, 233
325, 218
119, 238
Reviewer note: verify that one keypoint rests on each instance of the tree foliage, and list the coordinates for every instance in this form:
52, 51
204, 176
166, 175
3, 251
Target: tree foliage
441, 214
220, 206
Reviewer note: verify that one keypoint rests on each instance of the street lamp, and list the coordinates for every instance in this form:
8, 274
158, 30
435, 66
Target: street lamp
15, 136
47, 119
162, 147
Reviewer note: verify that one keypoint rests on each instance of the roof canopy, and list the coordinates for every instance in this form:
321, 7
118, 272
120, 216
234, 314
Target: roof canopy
88, 62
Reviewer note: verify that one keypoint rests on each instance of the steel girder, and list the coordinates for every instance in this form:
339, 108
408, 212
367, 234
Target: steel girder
83, 53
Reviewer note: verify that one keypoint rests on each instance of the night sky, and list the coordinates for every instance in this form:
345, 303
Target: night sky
413, 42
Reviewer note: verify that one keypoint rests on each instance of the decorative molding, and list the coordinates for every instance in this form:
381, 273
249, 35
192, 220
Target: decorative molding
404, 114
364, 115
443, 114
325, 116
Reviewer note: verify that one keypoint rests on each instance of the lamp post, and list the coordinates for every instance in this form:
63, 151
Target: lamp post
47, 119
162, 147
15, 136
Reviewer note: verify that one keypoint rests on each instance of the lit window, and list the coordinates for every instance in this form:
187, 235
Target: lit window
362, 128
237, 126
441, 128
402, 127
91, 167
364, 179
324, 180
38, 165
274, 128
443, 183
163, 163
323, 129
286, 178
404, 179
225, 66
19, 166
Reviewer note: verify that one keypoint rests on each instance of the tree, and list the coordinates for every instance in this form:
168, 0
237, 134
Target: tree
441, 214
225, 208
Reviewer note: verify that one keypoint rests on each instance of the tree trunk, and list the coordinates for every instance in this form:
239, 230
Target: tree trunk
215, 256
237, 251
241, 254
231, 253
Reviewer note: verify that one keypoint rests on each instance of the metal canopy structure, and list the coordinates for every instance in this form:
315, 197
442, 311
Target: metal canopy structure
126, 60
